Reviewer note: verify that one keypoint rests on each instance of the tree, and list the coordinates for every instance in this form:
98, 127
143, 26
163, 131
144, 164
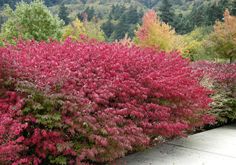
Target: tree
94, 31
63, 14
167, 13
108, 28
155, 34
116, 11
223, 39
74, 30
120, 30
31, 21
88, 14
202, 13
149, 3
193, 43
51, 2
121, 21
77, 29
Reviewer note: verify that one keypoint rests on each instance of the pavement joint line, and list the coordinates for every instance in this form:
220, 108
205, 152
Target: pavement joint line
181, 146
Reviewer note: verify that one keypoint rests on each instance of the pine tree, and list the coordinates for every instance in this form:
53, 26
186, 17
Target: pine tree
108, 28
149, 3
167, 12
63, 14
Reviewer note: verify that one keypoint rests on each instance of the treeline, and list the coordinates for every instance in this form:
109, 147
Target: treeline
12, 3
123, 18
121, 21
201, 14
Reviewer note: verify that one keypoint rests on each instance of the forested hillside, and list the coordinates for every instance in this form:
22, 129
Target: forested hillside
118, 17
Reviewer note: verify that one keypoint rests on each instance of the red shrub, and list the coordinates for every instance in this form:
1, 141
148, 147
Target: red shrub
21, 142
221, 78
220, 72
117, 98
10, 128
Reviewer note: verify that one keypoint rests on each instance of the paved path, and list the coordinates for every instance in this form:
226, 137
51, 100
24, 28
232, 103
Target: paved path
214, 147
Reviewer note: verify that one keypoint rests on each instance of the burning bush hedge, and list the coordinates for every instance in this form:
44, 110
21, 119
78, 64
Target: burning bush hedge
221, 78
95, 102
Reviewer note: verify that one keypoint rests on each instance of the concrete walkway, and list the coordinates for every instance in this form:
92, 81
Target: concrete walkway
214, 147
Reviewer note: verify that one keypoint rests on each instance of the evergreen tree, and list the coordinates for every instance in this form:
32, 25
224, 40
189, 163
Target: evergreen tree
167, 12
214, 11
88, 14
149, 3
108, 28
116, 12
120, 30
182, 24
63, 14
132, 15
51, 2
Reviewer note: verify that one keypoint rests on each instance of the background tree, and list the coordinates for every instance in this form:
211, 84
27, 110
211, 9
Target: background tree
89, 12
108, 27
149, 3
116, 11
51, 2
201, 14
167, 12
63, 14
156, 34
74, 30
122, 20
94, 31
193, 47
77, 29
31, 21
223, 39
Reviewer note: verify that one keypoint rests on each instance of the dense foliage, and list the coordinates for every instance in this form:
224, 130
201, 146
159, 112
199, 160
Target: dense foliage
223, 38
31, 21
11, 127
222, 79
194, 44
94, 102
64, 14
122, 20
78, 29
183, 15
155, 34
67, 98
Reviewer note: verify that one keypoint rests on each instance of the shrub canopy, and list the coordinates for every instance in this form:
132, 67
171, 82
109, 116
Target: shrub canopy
110, 99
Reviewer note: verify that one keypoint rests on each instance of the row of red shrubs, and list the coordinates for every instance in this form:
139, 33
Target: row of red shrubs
221, 79
74, 103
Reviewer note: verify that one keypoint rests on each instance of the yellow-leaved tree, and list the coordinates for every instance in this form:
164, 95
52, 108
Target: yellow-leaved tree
156, 34
76, 29
223, 39
193, 46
